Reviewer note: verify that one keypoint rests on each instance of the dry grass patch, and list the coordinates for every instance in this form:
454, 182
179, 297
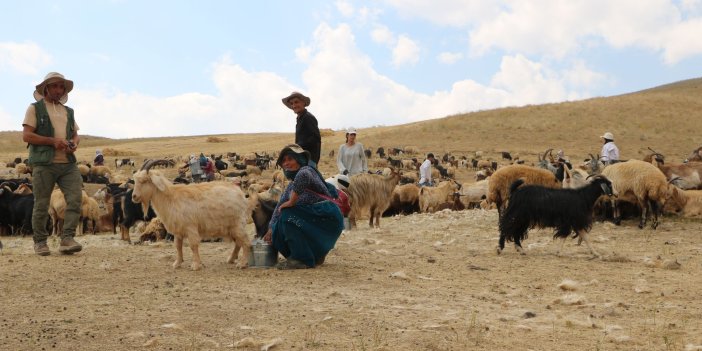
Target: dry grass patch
108, 151
214, 139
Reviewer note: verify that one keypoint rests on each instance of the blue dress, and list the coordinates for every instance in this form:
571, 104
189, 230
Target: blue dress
309, 230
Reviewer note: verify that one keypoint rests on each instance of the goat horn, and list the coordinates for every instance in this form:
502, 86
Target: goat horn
546, 153
147, 165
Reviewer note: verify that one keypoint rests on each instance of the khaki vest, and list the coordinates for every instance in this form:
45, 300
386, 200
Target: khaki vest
41, 155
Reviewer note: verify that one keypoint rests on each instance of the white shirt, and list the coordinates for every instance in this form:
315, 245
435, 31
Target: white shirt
609, 152
425, 172
352, 158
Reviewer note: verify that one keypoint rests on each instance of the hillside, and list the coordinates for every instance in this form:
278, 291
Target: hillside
665, 118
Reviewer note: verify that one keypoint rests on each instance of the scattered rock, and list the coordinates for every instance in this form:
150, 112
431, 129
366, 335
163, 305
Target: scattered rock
529, 314
568, 285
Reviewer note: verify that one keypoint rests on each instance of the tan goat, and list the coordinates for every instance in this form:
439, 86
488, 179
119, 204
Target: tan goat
195, 211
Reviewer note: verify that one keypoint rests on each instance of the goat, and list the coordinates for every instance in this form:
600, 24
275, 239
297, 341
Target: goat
454, 205
371, 191
688, 203
686, 176
405, 200
431, 197
567, 210
193, 212
695, 156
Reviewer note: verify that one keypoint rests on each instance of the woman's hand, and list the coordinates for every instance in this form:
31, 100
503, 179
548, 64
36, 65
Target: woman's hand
268, 236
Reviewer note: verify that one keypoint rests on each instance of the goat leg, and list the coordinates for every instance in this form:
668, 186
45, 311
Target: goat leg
179, 251
194, 241
584, 235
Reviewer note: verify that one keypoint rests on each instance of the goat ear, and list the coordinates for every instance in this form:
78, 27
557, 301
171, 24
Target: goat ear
607, 190
159, 182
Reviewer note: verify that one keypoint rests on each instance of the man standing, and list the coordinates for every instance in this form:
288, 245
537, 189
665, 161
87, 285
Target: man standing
425, 171
50, 130
306, 129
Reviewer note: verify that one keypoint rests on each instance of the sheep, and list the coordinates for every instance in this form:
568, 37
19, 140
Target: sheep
431, 197
195, 211
502, 179
371, 191
567, 210
642, 181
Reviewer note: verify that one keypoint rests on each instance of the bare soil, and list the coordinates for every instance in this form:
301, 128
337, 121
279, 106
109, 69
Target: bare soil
420, 282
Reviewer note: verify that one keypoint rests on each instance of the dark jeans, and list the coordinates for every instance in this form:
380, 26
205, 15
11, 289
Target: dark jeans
67, 177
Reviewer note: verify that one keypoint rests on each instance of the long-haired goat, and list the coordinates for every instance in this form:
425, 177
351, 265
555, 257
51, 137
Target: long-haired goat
567, 210
431, 197
195, 211
371, 191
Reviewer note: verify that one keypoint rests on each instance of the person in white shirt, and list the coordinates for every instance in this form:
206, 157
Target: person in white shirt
610, 151
351, 159
425, 171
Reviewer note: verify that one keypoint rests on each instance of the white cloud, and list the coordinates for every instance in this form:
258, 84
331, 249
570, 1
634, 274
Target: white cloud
382, 35
26, 58
342, 83
406, 52
345, 8
449, 57
683, 41
456, 13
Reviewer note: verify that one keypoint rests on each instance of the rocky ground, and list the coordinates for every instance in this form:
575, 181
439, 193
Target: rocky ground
420, 282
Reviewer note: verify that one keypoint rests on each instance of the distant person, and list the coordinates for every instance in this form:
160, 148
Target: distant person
51, 132
351, 159
209, 170
99, 158
306, 129
425, 171
305, 225
610, 151
195, 169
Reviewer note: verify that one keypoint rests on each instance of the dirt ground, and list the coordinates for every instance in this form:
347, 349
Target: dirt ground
421, 282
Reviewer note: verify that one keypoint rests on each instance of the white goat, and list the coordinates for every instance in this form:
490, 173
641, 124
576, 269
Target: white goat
195, 211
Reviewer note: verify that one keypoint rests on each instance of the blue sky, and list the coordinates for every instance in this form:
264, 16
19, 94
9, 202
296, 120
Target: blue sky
172, 68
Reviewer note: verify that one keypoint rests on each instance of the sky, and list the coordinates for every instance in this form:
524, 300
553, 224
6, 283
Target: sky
176, 68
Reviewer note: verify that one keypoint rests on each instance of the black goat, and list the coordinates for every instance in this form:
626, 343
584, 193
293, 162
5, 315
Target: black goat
506, 156
261, 215
567, 210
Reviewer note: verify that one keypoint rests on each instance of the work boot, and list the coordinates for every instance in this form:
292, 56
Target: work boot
69, 246
42, 249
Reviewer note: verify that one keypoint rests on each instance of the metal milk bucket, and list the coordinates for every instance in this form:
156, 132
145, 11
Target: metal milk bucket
262, 254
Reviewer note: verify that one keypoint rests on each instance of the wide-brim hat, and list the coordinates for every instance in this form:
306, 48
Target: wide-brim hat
53, 77
295, 94
295, 149
608, 136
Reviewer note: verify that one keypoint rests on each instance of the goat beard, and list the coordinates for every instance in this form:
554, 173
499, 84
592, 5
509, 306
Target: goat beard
145, 208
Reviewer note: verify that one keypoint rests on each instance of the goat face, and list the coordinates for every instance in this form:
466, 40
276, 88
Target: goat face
143, 188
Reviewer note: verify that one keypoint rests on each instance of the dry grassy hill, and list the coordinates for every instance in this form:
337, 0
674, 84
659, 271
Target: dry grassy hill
665, 118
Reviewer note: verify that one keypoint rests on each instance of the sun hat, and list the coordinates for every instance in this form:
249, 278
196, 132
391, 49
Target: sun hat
292, 148
305, 99
608, 136
351, 130
53, 77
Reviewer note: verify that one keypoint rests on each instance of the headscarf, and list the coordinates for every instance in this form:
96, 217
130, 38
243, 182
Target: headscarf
301, 160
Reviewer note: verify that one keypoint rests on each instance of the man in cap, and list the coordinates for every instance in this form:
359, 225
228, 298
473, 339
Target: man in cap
351, 159
306, 129
50, 130
610, 152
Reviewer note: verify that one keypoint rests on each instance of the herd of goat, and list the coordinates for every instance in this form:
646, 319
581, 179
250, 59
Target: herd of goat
549, 193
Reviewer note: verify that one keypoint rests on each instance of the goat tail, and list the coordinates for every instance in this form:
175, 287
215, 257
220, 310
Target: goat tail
515, 185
